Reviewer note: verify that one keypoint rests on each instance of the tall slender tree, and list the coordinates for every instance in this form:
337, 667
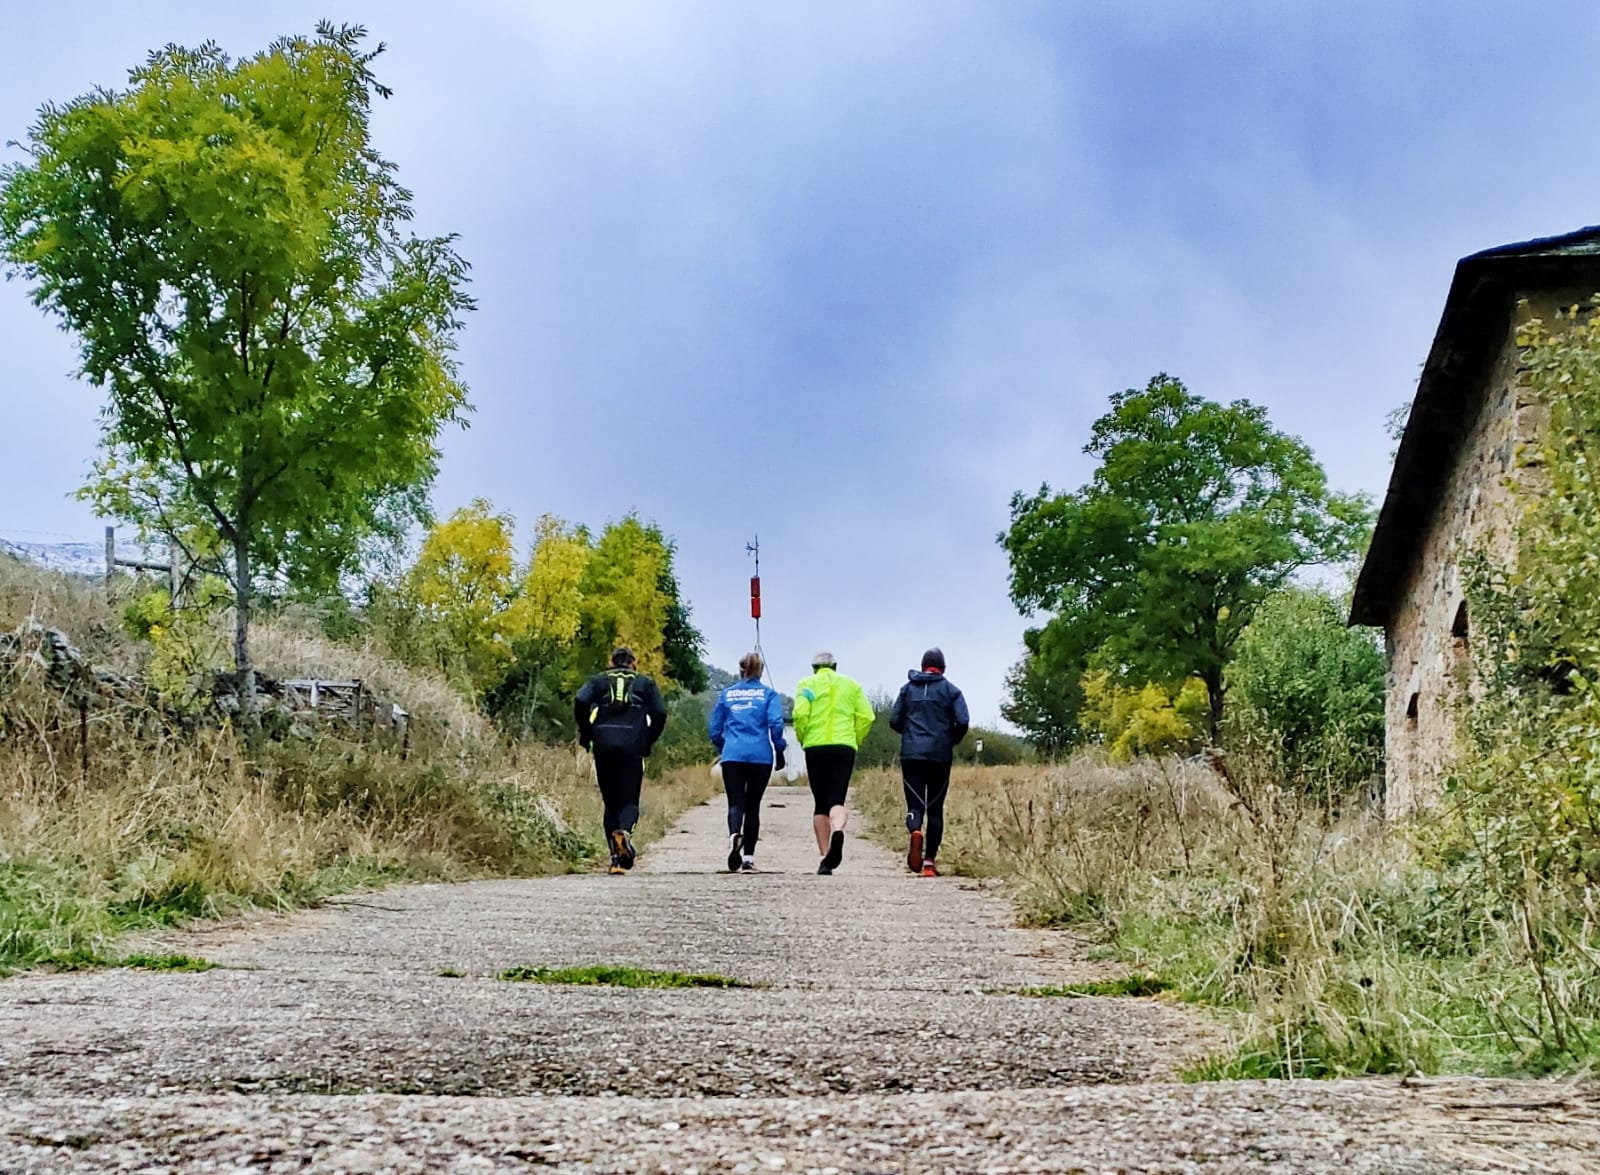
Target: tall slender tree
227, 244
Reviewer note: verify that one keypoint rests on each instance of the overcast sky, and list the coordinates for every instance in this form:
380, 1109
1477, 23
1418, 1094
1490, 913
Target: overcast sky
847, 275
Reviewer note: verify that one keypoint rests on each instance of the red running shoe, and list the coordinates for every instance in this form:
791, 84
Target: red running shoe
929, 869
914, 853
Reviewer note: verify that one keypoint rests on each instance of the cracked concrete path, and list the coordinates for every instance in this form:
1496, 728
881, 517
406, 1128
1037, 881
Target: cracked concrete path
885, 1036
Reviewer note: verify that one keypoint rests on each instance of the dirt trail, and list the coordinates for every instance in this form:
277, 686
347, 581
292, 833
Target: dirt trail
885, 1037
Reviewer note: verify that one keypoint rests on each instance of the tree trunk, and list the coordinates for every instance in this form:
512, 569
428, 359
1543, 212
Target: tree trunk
1213, 680
249, 710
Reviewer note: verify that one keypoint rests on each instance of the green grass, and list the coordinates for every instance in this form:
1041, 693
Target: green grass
1128, 985
618, 977
85, 959
451, 973
166, 963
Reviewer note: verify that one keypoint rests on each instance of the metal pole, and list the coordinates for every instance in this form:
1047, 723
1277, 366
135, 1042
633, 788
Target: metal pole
111, 555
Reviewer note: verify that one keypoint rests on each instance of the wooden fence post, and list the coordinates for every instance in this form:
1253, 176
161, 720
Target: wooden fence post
111, 555
83, 736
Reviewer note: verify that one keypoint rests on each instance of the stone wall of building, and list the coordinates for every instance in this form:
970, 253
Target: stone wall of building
1429, 637
1426, 643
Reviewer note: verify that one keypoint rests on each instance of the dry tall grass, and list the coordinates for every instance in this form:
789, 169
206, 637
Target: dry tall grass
1334, 948
151, 820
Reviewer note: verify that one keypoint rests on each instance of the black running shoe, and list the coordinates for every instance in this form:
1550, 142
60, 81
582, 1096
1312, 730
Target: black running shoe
734, 855
835, 852
622, 846
825, 869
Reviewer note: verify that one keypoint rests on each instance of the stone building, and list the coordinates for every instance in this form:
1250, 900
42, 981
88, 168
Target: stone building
1449, 492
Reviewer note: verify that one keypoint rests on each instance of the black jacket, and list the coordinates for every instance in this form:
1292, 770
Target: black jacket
930, 716
620, 712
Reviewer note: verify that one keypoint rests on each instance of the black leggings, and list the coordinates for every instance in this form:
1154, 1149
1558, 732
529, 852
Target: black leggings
620, 778
828, 772
745, 783
926, 785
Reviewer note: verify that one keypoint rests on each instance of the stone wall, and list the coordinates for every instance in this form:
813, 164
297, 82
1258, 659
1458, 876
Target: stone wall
1429, 637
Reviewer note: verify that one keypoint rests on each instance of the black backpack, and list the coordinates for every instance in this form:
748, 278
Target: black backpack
618, 720
619, 694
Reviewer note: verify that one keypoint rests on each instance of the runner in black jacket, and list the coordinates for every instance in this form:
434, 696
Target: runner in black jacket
620, 716
930, 716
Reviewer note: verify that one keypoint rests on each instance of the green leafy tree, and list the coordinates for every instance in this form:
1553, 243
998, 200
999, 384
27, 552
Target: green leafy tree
881, 746
1313, 686
682, 645
1198, 511
226, 243
1044, 690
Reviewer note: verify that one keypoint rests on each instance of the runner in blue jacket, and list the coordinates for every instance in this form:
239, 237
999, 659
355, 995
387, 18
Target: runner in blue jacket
746, 727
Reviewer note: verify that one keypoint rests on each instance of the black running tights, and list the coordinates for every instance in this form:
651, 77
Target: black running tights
926, 785
745, 784
620, 778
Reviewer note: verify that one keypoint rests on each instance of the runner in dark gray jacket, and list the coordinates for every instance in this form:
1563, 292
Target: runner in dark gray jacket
930, 716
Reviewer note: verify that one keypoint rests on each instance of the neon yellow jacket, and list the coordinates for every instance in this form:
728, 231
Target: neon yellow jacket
831, 710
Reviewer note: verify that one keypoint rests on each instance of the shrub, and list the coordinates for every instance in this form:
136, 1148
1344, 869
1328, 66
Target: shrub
1309, 689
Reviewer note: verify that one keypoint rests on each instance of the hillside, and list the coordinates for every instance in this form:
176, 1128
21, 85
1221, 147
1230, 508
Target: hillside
131, 806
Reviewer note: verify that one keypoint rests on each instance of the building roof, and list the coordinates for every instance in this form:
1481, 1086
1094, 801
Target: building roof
1476, 315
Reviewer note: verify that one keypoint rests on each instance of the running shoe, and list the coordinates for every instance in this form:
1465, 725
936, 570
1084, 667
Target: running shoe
824, 869
929, 869
748, 865
615, 868
914, 853
835, 852
734, 855
622, 846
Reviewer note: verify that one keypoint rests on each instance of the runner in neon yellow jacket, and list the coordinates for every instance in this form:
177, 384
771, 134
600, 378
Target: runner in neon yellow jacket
831, 717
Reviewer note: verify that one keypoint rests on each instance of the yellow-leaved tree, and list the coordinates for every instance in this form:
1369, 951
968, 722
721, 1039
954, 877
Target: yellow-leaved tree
522, 638
623, 600
549, 609
463, 585
1148, 719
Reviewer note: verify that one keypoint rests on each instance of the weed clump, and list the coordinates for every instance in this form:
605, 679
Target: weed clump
604, 976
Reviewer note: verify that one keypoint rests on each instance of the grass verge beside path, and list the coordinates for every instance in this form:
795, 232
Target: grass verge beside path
205, 837
139, 812
1328, 948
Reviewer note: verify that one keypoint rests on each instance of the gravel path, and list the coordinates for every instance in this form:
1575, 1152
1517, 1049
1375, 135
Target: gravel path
884, 1036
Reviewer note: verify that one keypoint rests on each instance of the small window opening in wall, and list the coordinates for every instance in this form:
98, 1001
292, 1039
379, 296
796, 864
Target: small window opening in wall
1458, 626
1411, 712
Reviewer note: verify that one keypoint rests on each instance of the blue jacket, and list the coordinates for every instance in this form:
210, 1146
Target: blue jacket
930, 716
746, 724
